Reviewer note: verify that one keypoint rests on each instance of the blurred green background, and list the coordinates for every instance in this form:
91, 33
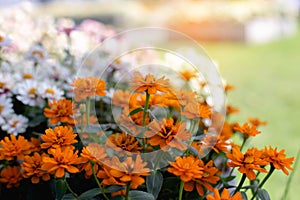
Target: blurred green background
267, 82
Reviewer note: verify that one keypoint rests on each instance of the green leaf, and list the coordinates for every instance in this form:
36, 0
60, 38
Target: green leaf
60, 188
96, 191
154, 183
135, 111
263, 194
244, 195
140, 195
37, 120
228, 179
68, 197
89, 194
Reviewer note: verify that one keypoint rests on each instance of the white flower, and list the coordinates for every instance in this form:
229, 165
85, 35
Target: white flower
27, 93
4, 40
5, 108
6, 83
15, 124
50, 92
37, 53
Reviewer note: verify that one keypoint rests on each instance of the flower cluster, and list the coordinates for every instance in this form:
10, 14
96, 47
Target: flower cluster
88, 136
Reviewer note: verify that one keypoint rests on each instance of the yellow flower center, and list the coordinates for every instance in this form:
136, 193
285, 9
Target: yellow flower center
186, 166
38, 53
2, 85
249, 159
14, 124
32, 91
1, 108
1, 38
27, 76
50, 91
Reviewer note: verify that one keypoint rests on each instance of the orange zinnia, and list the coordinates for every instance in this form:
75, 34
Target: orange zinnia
129, 171
121, 98
59, 137
123, 141
14, 148
187, 75
167, 134
217, 143
11, 175
246, 130
278, 159
32, 168
230, 110
149, 83
225, 195
183, 97
92, 153
257, 122
88, 87
63, 160
197, 110
187, 168
248, 162
60, 111
208, 178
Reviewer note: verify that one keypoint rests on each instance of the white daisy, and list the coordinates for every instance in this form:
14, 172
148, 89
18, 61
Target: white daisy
37, 53
50, 92
5, 108
15, 124
4, 40
27, 93
6, 83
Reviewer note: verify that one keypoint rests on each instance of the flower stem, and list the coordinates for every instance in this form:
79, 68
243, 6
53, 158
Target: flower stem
144, 116
181, 190
98, 183
88, 110
264, 181
146, 108
241, 183
69, 188
127, 190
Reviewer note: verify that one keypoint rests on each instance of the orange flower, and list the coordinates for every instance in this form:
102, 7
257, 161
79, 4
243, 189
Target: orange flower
217, 143
183, 97
123, 141
187, 168
256, 122
88, 87
59, 137
278, 159
227, 130
11, 175
166, 134
32, 168
248, 162
187, 75
149, 83
121, 98
246, 130
230, 110
228, 87
225, 195
63, 160
14, 148
197, 110
95, 153
208, 178
129, 171
60, 111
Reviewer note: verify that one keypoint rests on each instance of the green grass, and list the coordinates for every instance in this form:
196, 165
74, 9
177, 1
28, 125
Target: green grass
267, 81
